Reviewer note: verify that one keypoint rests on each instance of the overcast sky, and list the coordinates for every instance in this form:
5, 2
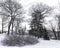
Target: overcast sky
48, 2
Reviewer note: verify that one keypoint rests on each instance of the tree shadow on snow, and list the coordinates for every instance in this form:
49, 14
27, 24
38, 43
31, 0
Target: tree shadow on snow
19, 40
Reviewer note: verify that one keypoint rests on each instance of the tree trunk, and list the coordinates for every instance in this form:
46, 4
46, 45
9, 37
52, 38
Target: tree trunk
9, 28
16, 30
11, 22
2, 25
55, 34
12, 29
17, 27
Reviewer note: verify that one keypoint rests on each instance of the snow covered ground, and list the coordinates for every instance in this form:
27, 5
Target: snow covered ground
42, 44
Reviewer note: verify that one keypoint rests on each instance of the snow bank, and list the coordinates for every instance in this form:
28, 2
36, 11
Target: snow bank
42, 44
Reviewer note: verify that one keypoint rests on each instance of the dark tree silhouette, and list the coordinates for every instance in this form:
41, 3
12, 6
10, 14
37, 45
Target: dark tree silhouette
45, 34
38, 13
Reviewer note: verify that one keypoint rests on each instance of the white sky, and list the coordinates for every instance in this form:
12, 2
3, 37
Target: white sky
27, 3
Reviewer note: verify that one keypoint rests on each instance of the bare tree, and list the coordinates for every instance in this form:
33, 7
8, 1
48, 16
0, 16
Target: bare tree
58, 16
38, 13
53, 30
4, 22
17, 23
11, 9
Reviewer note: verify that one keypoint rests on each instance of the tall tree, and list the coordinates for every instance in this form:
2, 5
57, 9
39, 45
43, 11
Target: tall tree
12, 9
38, 13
